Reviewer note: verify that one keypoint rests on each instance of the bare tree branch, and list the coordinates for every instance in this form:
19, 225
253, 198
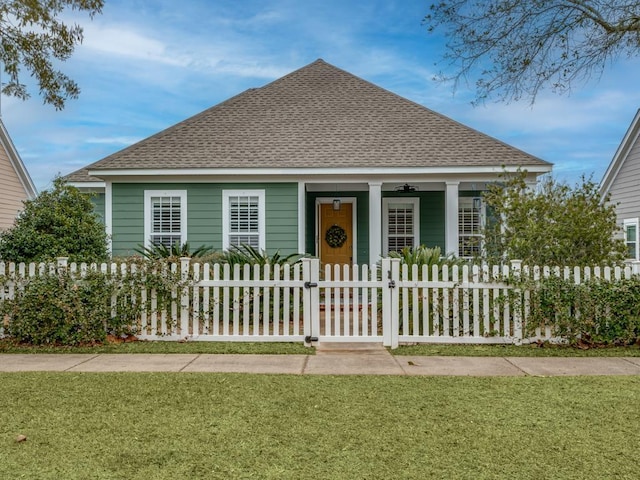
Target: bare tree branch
513, 49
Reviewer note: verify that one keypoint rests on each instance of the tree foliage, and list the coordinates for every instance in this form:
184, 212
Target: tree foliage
33, 37
57, 223
554, 224
515, 48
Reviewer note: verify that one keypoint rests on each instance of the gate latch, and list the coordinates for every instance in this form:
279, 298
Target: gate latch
310, 285
392, 284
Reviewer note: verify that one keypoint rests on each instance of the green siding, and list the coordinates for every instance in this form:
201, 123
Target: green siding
204, 218
127, 220
282, 217
432, 219
204, 214
98, 204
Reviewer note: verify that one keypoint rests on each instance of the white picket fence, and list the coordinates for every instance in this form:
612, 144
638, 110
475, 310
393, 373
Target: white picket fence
389, 303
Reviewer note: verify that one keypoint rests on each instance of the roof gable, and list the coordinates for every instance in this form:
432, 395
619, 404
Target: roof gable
628, 141
16, 162
317, 116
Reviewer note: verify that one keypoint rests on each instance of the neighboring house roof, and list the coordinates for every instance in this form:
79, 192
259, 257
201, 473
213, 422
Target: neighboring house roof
316, 117
16, 162
16, 185
628, 141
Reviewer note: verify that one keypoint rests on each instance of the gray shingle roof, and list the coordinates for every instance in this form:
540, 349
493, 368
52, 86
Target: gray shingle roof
317, 116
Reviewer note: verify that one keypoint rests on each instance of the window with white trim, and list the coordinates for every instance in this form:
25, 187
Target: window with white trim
631, 237
401, 223
165, 214
243, 218
470, 222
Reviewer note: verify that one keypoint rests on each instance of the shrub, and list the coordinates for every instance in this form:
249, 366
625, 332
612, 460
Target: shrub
57, 223
173, 253
422, 255
595, 312
56, 309
244, 254
69, 307
555, 224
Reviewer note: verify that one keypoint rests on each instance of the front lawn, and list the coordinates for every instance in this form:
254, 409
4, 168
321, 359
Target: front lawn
227, 426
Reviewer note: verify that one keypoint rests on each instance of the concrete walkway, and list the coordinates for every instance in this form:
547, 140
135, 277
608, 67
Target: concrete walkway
363, 360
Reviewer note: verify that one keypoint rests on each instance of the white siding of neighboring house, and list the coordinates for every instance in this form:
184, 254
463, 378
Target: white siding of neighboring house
625, 189
12, 191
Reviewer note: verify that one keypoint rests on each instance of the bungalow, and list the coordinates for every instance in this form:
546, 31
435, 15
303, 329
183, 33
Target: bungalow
16, 185
319, 161
620, 183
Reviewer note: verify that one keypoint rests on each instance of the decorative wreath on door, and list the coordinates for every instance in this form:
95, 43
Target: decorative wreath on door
335, 236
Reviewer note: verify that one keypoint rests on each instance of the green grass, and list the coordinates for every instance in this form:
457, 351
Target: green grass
228, 426
546, 350
7, 346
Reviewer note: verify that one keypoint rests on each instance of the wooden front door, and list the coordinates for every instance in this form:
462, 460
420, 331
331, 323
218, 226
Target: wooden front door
342, 218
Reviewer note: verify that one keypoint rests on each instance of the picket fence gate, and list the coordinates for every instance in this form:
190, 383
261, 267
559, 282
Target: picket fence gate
305, 302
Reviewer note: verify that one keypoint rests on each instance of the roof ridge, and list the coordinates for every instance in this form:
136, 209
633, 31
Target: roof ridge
318, 115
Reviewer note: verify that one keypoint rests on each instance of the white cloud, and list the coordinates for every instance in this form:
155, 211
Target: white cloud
128, 43
113, 140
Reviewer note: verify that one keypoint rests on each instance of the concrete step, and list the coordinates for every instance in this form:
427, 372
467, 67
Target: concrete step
355, 348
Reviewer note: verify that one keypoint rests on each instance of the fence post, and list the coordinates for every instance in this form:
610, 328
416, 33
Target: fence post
390, 299
184, 297
62, 264
311, 300
635, 267
516, 270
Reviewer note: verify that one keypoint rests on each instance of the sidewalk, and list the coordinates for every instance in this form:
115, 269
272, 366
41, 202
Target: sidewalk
363, 361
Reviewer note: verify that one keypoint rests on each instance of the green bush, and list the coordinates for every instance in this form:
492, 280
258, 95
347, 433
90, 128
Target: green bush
246, 254
56, 309
595, 312
553, 224
58, 223
175, 252
422, 255
70, 308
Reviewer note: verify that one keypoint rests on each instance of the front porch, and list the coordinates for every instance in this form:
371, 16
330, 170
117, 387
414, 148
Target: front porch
382, 216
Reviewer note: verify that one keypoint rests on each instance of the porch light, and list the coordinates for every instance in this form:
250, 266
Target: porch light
336, 204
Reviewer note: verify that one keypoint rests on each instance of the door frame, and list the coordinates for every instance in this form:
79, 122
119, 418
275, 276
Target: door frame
354, 223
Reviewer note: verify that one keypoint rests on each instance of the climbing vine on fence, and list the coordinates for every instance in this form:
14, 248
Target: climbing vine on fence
592, 312
74, 306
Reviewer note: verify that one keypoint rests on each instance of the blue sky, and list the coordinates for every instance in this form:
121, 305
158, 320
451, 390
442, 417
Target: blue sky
145, 65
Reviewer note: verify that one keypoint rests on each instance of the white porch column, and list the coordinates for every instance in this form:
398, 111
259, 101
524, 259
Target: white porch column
302, 218
108, 214
451, 218
375, 222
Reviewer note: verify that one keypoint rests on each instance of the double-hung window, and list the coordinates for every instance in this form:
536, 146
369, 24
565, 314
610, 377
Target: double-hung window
631, 237
165, 213
470, 221
401, 223
243, 218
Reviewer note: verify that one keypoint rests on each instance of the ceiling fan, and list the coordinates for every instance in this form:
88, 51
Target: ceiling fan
406, 188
